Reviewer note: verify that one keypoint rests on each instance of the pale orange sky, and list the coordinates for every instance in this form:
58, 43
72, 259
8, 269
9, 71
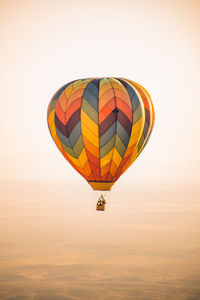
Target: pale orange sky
54, 244
45, 44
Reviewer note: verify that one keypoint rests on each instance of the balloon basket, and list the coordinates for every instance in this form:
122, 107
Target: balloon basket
100, 207
101, 203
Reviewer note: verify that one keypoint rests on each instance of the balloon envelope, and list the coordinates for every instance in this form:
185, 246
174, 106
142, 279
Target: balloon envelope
101, 125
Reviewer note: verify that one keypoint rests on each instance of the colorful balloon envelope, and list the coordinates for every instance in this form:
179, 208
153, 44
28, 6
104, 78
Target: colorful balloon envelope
101, 125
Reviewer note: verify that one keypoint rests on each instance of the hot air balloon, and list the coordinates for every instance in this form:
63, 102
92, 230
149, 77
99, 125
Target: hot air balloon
101, 125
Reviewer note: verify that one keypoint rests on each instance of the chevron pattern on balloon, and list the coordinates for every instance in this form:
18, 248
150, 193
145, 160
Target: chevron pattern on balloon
101, 125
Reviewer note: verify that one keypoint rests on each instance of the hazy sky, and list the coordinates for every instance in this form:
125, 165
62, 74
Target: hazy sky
45, 44
54, 245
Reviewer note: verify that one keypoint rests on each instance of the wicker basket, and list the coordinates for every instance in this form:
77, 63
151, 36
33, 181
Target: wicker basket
101, 207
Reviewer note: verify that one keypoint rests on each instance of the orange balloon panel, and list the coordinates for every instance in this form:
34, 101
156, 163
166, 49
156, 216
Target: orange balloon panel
101, 125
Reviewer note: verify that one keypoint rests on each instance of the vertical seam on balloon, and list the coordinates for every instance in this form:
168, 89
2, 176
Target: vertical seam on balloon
127, 165
148, 98
98, 131
115, 129
140, 103
69, 139
129, 135
152, 115
82, 134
